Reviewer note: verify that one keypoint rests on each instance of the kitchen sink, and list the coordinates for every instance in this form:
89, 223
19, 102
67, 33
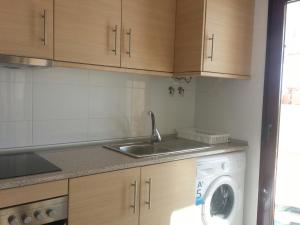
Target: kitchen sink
145, 149
138, 149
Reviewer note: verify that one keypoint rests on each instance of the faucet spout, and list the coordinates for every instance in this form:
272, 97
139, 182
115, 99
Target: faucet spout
155, 135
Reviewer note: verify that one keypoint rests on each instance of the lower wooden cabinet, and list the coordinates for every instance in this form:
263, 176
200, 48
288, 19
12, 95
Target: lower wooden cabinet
146, 195
165, 189
105, 199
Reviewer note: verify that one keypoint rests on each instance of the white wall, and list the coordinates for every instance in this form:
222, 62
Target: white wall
55, 105
236, 107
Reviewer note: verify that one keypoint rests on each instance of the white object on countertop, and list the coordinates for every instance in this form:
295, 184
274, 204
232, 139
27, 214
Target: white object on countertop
207, 137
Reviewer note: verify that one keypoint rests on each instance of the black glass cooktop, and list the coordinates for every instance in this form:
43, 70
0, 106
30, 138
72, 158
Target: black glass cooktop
24, 164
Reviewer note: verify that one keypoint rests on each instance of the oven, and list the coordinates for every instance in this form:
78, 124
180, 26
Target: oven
51, 212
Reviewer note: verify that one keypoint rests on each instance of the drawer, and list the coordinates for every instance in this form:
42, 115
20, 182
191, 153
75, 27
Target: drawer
32, 193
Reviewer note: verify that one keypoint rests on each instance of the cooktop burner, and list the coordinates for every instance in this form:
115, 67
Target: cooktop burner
24, 164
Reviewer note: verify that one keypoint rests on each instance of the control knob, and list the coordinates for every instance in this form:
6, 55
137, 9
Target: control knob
224, 166
12, 220
26, 219
38, 215
51, 213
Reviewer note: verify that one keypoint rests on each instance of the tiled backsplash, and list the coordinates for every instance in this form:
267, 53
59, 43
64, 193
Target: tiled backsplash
56, 105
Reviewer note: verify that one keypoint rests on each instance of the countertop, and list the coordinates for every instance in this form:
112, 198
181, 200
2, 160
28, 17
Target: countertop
79, 161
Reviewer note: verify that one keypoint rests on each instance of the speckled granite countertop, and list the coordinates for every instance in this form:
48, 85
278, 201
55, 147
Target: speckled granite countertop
79, 161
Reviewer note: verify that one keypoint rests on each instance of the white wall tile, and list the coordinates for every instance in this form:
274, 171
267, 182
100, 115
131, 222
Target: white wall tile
140, 122
15, 134
15, 75
60, 76
160, 99
140, 102
109, 128
140, 126
141, 81
15, 101
59, 131
109, 101
60, 101
109, 79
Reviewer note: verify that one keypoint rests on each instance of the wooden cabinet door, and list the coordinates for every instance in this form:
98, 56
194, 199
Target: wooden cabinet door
228, 37
88, 31
189, 32
105, 199
169, 187
148, 34
26, 28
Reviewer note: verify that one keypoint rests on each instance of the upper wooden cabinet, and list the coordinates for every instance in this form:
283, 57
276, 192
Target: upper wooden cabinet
214, 37
166, 189
88, 31
105, 199
148, 34
26, 28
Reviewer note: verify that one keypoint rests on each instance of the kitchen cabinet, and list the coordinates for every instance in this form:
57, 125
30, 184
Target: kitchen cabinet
214, 37
105, 199
146, 195
165, 189
91, 32
88, 31
148, 34
26, 28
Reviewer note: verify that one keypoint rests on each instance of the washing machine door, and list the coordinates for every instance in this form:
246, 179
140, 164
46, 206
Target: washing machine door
221, 200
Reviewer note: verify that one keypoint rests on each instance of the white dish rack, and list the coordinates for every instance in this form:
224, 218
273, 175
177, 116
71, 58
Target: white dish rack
207, 137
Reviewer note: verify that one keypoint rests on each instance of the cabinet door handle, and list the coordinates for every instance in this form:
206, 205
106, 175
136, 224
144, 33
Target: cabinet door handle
133, 206
44, 17
115, 31
212, 39
149, 182
129, 33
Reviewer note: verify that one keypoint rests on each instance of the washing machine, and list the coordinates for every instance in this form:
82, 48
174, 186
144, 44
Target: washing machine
218, 193
220, 190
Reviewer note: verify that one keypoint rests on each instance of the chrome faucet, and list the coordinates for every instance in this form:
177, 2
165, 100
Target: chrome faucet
155, 136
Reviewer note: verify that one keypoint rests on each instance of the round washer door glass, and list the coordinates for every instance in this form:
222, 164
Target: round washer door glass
220, 202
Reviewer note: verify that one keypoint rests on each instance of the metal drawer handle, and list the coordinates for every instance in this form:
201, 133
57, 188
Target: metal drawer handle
149, 182
212, 38
133, 206
115, 31
44, 17
129, 33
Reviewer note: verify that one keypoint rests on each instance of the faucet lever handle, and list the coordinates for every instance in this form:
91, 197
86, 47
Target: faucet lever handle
155, 136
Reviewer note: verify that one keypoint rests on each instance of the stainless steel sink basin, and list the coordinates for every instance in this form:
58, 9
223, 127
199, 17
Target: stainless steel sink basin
139, 149
144, 149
